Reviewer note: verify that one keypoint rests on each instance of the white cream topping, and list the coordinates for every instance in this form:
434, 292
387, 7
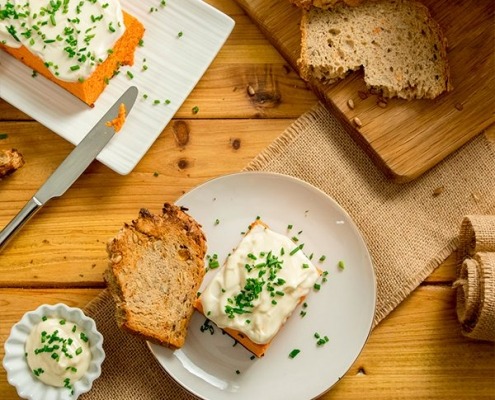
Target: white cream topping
288, 275
58, 352
72, 37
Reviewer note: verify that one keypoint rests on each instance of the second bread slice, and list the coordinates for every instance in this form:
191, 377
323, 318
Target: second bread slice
155, 270
398, 44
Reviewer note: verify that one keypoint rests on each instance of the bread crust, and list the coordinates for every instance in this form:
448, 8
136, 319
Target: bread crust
156, 265
10, 161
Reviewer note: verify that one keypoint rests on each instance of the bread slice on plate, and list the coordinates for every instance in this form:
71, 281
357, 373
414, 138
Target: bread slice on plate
156, 267
256, 290
400, 47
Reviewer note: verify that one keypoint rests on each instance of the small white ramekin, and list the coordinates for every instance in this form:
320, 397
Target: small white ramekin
19, 374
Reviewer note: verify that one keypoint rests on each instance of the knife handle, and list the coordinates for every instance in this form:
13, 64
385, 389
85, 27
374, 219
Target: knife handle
7, 233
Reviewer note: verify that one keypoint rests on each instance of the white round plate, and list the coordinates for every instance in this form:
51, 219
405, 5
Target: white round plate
211, 366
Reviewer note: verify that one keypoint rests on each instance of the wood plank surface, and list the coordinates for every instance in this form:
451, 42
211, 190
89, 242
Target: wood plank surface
407, 138
417, 352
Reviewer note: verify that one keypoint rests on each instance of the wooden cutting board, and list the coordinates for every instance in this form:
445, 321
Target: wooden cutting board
407, 138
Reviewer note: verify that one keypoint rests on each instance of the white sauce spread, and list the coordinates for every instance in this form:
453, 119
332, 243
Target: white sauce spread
58, 352
71, 36
260, 285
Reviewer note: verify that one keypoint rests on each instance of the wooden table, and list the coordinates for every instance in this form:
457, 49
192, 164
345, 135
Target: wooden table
416, 352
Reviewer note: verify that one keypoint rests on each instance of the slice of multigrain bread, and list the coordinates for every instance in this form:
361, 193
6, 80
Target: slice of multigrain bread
156, 267
398, 44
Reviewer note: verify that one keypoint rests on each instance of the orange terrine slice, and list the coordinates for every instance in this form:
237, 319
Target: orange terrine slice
255, 291
89, 89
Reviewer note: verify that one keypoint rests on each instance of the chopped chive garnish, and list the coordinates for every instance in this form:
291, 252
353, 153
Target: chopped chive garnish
294, 353
296, 249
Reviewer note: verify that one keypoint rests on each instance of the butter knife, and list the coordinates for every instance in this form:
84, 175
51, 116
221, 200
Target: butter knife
72, 167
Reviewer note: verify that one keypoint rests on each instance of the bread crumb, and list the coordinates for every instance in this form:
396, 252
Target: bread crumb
119, 120
10, 161
438, 191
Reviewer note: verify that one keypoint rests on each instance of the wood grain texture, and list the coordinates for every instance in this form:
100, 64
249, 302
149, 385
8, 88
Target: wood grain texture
70, 233
406, 138
417, 352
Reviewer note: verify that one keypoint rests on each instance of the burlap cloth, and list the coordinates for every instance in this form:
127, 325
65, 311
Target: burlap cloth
409, 229
476, 277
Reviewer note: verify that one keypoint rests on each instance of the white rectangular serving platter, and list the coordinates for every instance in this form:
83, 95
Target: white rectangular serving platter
181, 40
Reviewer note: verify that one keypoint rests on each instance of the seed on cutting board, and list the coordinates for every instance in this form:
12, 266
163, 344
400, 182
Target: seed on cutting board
357, 122
381, 102
362, 95
350, 104
459, 106
250, 90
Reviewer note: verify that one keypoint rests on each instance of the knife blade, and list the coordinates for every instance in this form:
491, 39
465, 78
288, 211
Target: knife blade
72, 167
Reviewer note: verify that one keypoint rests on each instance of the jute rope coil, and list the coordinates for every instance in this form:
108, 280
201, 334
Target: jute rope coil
476, 277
